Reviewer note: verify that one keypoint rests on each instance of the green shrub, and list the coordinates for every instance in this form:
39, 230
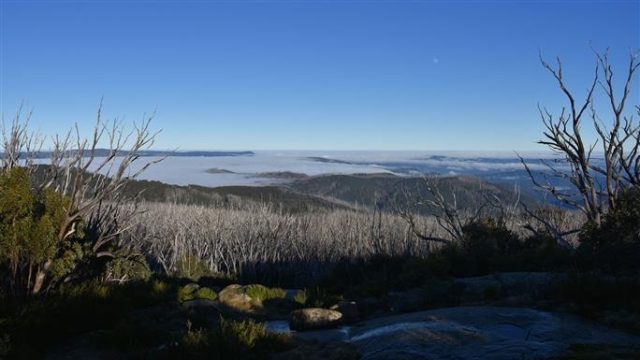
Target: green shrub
186, 293
262, 293
30, 221
127, 265
489, 247
614, 246
300, 298
205, 293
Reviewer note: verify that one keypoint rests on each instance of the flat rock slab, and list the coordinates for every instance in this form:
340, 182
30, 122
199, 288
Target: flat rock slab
480, 333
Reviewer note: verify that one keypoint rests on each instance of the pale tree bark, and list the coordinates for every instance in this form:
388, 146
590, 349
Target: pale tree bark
594, 187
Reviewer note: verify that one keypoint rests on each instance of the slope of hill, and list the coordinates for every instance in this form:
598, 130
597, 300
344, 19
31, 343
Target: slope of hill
326, 192
387, 190
283, 198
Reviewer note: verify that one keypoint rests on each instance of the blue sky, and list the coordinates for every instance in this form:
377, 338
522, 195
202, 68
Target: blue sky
348, 75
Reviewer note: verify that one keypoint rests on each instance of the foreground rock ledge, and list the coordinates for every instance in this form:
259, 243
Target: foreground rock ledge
480, 332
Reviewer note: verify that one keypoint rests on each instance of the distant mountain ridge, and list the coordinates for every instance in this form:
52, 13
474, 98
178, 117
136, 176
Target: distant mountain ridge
387, 191
149, 153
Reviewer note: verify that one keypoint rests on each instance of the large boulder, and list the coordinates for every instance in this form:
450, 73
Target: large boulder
235, 298
314, 318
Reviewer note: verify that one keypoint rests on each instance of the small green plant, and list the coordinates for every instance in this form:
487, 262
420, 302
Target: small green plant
159, 287
195, 341
301, 297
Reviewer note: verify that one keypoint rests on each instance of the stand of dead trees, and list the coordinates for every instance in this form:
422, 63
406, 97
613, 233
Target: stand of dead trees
450, 218
86, 181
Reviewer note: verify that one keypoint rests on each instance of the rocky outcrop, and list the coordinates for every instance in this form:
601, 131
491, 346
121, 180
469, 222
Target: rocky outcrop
314, 318
481, 333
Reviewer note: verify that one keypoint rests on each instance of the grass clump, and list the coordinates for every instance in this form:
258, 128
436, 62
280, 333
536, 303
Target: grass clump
262, 293
230, 339
206, 293
301, 298
191, 292
191, 267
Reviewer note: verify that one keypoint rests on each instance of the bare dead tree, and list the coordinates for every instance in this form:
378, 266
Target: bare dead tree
19, 145
552, 222
448, 215
595, 187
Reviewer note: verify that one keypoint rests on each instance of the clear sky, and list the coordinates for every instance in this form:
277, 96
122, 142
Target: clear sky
348, 75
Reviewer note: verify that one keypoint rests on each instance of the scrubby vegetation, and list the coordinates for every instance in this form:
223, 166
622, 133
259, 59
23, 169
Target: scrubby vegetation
230, 339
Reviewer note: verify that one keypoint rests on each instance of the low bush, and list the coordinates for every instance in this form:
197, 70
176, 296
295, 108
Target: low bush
206, 293
489, 247
230, 339
300, 298
614, 247
189, 292
262, 293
